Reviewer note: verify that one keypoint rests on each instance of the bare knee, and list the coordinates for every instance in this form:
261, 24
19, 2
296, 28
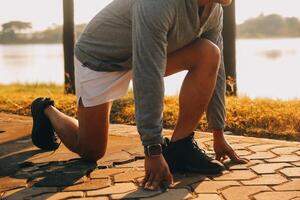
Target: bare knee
209, 55
93, 131
92, 153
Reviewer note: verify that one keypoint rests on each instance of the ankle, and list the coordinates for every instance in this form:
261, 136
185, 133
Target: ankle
176, 139
182, 137
48, 110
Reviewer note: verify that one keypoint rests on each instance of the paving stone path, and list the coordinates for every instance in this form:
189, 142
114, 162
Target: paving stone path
28, 173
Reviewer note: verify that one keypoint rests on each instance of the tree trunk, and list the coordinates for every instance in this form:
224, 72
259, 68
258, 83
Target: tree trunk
229, 36
68, 42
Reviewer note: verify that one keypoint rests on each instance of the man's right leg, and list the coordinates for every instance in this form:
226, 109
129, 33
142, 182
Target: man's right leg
86, 136
201, 58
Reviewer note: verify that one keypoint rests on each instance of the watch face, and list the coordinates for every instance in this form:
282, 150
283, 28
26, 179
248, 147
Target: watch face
154, 149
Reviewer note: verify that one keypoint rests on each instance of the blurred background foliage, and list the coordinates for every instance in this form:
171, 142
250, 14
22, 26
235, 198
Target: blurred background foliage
252, 117
262, 26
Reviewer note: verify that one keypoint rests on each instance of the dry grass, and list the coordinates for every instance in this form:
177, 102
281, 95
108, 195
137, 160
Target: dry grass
255, 117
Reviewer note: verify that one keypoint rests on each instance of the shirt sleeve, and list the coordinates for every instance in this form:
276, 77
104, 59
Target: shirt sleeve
151, 21
216, 112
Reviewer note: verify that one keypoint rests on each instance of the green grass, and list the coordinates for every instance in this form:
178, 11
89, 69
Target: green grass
256, 117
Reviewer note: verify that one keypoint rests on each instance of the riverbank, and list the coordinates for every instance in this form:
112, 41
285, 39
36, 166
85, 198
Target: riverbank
245, 116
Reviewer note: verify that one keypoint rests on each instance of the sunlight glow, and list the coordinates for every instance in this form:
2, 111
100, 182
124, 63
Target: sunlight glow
44, 13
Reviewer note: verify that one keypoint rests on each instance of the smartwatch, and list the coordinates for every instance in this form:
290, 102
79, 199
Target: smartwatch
153, 150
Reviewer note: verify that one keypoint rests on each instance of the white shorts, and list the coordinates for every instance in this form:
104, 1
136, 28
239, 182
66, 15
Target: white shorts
95, 88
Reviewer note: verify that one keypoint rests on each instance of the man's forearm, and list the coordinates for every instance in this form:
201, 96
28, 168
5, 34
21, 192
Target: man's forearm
149, 57
216, 107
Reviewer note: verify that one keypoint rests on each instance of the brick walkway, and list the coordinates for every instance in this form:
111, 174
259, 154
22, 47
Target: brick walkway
28, 173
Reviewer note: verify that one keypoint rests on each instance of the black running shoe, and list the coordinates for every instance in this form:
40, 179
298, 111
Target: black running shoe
186, 156
43, 135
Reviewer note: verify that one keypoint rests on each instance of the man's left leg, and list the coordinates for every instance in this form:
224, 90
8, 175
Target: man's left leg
201, 58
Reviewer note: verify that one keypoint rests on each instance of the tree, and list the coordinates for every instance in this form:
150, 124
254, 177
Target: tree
16, 26
11, 30
269, 26
229, 35
68, 42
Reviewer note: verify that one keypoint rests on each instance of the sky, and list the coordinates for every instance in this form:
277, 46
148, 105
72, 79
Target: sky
45, 13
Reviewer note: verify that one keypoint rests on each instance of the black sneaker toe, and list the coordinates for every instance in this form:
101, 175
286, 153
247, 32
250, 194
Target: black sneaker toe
186, 156
206, 167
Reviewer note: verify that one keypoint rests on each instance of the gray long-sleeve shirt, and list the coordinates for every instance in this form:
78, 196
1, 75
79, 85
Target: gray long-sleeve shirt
138, 35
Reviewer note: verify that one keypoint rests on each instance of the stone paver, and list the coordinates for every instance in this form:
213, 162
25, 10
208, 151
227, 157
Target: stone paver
173, 194
28, 173
268, 179
262, 147
186, 180
284, 159
92, 198
118, 188
208, 197
129, 175
241, 146
58, 180
269, 167
289, 186
291, 172
7, 183
137, 163
233, 166
243, 192
10, 193
296, 164
277, 195
136, 194
116, 158
105, 173
28, 192
59, 195
285, 150
243, 152
89, 185
17, 132
261, 155
137, 151
50, 157
213, 186
236, 175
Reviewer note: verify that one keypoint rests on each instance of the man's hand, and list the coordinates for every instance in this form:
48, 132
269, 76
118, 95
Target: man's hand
157, 171
223, 149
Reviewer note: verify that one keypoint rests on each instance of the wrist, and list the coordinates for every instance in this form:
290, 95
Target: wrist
153, 150
153, 157
218, 134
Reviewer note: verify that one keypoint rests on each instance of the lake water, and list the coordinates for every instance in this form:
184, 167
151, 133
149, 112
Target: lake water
265, 68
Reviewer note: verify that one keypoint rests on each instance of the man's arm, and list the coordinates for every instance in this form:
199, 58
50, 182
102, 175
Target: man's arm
216, 108
151, 21
216, 112
150, 25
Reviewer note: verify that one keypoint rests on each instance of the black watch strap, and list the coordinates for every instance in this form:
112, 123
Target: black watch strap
153, 150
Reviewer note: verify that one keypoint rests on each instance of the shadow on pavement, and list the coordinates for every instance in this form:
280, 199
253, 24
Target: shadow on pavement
54, 176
